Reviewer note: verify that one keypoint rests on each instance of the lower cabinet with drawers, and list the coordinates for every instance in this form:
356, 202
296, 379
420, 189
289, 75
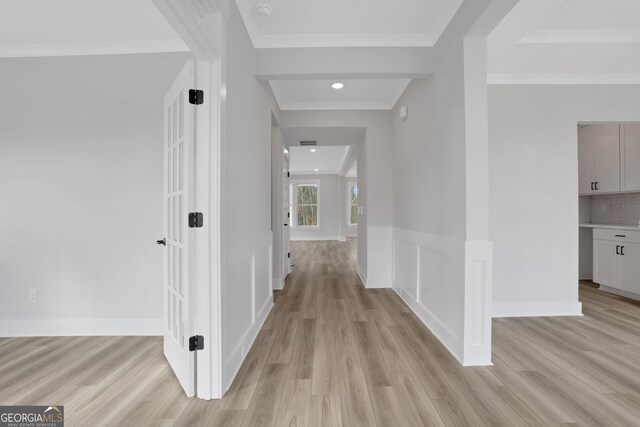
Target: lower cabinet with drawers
616, 261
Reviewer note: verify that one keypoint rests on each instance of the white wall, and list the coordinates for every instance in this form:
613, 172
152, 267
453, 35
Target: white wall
246, 292
81, 193
441, 253
329, 210
374, 239
534, 190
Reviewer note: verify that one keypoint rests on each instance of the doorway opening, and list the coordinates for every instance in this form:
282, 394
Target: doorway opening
317, 192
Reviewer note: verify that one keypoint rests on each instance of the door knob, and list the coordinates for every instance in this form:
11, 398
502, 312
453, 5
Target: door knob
162, 242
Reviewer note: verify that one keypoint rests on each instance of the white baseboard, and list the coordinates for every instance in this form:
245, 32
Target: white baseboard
235, 359
449, 339
536, 309
278, 283
361, 275
80, 327
313, 238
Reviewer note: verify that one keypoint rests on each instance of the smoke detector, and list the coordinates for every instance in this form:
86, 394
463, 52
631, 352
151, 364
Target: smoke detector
263, 10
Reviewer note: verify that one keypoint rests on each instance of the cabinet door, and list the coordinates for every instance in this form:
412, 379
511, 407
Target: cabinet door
605, 267
607, 153
630, 157
586, 159
629, 270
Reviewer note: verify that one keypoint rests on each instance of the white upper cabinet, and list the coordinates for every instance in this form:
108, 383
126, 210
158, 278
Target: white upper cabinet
586, 159
630, 157
599, 159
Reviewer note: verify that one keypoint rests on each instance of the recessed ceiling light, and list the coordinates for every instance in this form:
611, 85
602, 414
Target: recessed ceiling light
316, 170
337, 85
313, 150
263, 9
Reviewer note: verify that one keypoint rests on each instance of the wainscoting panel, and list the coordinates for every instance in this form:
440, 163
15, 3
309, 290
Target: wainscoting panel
379, 257
478, 296
248, 300
428, 274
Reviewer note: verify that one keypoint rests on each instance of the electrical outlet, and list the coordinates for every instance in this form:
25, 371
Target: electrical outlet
603, 208
32, 297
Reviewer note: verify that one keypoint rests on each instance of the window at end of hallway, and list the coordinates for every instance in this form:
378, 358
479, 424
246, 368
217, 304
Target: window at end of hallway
353, 203
307, 201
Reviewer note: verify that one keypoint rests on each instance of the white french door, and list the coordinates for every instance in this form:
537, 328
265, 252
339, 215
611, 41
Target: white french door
178, 289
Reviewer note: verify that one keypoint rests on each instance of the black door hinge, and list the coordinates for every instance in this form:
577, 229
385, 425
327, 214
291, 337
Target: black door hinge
195, 219
288, 175
288, 214
196, 96
196, 342
289, 255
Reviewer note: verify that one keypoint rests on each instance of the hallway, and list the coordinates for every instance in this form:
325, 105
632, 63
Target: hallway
334, 354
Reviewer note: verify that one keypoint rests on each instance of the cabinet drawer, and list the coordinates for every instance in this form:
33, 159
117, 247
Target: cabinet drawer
629, 236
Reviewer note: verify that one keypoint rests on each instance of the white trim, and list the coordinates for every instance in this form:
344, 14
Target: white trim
278, 283
445, 335
236, 358
306, 106
81, 327
341, 40
443, 21
379, 257
536, 309
92, 48
361, 275
187, 19
581, 36
563, 79
312, 238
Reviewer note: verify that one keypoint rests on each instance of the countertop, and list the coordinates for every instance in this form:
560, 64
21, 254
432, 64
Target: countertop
611, 226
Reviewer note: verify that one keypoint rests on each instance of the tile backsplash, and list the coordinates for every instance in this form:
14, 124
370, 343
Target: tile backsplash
622, 209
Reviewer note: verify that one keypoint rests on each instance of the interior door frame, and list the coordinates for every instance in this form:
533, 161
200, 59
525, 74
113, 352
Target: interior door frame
202, 25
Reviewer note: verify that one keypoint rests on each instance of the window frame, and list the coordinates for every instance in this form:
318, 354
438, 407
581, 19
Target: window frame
294, 214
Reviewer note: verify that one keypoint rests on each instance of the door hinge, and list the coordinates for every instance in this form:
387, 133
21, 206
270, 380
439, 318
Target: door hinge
288, 214
288, 254
195, 219
196, 96
196, 342
288, 174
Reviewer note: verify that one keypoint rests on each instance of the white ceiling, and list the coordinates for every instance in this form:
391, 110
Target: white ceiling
80, 27
567, 41
339, 23
327, 159
369, 94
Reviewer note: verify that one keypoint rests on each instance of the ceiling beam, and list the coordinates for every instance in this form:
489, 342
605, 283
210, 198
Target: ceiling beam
344, 63
186, 19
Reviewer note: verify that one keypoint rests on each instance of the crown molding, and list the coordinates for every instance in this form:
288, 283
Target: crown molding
563, 79
92, 48
581, 37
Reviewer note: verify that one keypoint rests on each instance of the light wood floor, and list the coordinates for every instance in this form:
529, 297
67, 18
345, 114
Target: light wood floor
333, 353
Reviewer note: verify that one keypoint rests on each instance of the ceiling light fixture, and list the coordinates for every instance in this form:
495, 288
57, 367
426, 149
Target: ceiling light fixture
316, 170
313, 150
337, 85
263, 9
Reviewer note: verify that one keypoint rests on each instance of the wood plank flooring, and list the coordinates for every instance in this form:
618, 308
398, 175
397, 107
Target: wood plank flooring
334, 354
